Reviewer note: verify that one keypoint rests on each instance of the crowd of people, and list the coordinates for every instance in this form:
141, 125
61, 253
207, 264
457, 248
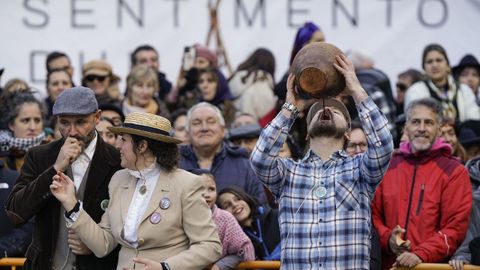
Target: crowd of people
209, 171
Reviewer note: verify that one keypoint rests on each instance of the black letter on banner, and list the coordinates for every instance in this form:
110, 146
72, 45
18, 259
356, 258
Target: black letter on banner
175, 11
338, 5
43, 14
292, 11
240, 7
389, 11
442, 20
74, 11
141, 11
33, 57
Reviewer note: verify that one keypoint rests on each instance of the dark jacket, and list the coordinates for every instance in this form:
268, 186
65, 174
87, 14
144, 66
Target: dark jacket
267, 222
13, 241
230, 167
473, 234
31, 196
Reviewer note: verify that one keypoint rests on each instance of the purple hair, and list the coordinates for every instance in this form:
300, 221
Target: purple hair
304, 34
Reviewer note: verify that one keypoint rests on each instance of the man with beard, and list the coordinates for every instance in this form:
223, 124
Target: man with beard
421, 209
86, 158
324, 199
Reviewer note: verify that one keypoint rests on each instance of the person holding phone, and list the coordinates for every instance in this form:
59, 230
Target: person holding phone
89, 161
186, 94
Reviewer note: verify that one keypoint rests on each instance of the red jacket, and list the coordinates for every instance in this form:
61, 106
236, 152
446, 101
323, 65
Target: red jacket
431, 189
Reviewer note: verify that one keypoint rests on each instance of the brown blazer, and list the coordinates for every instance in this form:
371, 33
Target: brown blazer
185, 237
31, 197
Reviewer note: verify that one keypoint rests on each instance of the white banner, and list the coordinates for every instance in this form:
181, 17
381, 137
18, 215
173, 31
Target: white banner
392, 32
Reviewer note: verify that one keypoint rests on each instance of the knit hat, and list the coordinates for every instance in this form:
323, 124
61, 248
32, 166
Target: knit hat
205, 52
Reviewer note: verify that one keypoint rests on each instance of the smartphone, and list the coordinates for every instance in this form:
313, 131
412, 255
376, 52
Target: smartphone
189, 54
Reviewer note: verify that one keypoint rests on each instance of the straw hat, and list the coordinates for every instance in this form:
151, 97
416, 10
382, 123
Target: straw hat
147, 125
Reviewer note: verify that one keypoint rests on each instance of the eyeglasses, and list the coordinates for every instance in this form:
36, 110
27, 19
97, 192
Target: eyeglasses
402, 87
362, 145
91, 78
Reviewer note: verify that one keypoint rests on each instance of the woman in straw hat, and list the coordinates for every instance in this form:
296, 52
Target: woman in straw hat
156, 211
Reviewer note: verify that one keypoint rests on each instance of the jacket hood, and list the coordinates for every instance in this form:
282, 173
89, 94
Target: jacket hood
439, 147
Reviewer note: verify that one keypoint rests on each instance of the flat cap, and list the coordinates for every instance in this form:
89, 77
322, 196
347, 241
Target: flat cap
245, 131
78, 100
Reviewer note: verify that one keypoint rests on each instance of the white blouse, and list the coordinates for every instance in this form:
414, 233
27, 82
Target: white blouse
139, 202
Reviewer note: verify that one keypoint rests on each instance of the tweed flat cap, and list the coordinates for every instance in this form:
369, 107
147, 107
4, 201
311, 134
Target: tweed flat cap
75, 101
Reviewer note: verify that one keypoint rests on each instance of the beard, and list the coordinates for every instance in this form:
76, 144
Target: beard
85, 140
326, 129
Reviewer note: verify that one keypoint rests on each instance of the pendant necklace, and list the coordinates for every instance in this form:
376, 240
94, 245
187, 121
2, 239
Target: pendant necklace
143, 187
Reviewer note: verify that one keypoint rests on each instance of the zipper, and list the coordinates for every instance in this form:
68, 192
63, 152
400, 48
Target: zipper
421, 199
410, 200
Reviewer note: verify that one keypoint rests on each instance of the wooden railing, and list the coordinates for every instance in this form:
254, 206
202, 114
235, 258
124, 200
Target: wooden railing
437, 266
259, 265
14, 262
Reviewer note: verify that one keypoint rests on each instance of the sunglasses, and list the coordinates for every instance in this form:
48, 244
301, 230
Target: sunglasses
91, 78
402, 87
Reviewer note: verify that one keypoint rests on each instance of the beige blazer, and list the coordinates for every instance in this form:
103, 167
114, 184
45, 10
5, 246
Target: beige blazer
185, 237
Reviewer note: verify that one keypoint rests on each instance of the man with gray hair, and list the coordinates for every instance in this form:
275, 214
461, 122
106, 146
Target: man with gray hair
86, 158
230, 165
422, 207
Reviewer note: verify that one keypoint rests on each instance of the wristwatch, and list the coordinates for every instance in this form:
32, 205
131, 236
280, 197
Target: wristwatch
73, 214
290, 107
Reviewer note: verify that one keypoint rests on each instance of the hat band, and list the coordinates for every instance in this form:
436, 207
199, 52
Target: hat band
145, 128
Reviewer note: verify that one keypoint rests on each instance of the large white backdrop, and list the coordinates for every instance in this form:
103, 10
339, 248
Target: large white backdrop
392, 32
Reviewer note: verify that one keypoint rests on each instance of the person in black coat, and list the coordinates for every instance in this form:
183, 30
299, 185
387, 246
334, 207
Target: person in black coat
91, 162
13, 241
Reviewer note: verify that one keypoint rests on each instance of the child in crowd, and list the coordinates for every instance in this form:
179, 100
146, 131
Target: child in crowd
258, 222
237, 247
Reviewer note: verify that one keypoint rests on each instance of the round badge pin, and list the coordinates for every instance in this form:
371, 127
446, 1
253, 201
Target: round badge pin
155, 218
320, 192
164, 203
104, 204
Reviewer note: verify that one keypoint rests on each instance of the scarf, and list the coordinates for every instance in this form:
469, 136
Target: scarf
448, 98
234, 240
7, 141
152, 107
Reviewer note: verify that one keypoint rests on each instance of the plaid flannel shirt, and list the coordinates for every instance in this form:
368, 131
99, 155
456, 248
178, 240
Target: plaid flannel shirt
330, 231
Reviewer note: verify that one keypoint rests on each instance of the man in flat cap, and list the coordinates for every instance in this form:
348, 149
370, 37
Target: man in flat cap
87, 159
324, 199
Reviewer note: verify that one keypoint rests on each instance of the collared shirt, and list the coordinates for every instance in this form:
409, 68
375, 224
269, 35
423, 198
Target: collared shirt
80, 165
148, 177
325, 205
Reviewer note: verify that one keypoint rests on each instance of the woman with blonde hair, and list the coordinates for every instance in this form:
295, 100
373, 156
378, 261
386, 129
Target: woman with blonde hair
141, 92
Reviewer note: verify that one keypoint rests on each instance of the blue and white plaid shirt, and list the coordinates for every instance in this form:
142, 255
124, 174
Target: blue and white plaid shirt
325, 205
